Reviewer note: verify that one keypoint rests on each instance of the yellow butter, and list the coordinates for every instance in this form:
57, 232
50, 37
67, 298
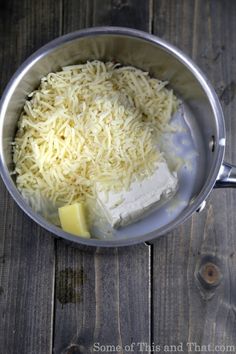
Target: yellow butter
73, 219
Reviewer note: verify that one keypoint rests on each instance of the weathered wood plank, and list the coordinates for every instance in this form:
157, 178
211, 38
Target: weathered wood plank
76, 15
26, 251
192, 301
127, 13
102, 296
27, 271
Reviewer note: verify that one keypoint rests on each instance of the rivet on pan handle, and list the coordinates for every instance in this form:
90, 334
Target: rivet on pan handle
226, 177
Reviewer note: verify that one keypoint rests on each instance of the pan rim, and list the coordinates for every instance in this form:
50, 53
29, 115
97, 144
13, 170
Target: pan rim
179, 55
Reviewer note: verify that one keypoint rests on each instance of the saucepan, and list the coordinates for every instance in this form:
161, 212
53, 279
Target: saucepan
201, 112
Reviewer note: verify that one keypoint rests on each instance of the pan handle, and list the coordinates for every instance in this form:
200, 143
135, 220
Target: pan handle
226, 177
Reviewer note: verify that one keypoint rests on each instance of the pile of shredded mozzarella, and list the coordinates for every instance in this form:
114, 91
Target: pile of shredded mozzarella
89, 123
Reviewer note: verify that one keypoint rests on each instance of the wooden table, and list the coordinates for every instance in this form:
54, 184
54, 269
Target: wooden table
60, 299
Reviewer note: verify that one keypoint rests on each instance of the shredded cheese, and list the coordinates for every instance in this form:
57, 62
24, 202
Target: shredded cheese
87, 124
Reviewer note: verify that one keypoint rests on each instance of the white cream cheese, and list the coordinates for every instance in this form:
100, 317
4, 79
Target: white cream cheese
128, 206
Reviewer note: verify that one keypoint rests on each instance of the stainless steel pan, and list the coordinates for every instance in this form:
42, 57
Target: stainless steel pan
201, 112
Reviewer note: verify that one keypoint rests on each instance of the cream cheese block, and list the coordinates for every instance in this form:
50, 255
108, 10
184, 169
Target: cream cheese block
127, 206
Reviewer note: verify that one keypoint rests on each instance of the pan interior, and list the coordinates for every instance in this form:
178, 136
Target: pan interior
195, 115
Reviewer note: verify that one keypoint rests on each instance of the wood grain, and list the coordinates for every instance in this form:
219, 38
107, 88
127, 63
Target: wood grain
60, 299
185, 307
103, 295
127, 13
27, 263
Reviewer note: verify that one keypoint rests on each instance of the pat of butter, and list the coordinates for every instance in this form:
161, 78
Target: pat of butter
72, 218
126, 207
